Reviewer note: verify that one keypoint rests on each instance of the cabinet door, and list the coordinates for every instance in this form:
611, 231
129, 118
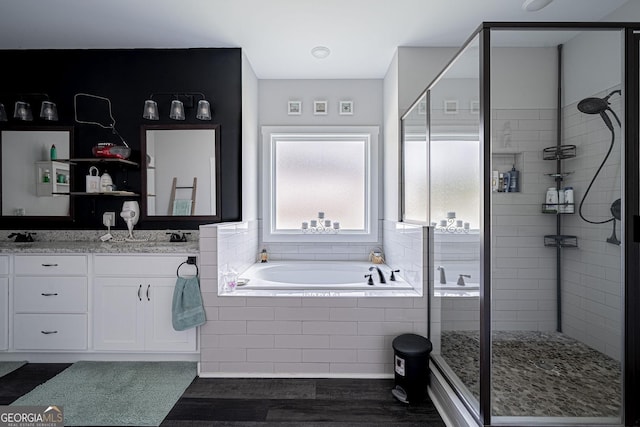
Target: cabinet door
4, 313
159, 332
118, 314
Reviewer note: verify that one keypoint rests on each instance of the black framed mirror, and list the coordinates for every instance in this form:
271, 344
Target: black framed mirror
180, 174
36, 177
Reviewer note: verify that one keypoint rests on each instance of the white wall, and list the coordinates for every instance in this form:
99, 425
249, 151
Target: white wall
250, 141
410, 71
365, 94
592, 63
391, 139
523, 78
628, 12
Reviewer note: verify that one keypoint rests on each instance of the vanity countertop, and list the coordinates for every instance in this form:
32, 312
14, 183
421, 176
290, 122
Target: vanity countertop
62, 247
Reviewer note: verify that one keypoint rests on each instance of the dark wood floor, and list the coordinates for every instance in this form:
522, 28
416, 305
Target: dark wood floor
265, 402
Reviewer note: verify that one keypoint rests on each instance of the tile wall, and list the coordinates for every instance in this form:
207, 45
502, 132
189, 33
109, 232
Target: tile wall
524, 272
307, 337
592, 290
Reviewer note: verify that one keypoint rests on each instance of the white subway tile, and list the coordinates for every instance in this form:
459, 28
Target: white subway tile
222, 327
329, 356
246, 341
302, 341
223, 354
355, 314
356, 342
306, 313
329, 328
274, 327
301, 368
361, 368
376, 356
246, 313
274, 355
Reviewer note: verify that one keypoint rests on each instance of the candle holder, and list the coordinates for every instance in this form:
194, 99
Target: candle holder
451, 225
320, 225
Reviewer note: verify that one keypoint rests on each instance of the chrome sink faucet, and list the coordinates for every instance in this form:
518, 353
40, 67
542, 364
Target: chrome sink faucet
443, 277
382, 279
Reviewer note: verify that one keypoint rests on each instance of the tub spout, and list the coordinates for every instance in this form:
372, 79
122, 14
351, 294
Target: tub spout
382, 279
443, 277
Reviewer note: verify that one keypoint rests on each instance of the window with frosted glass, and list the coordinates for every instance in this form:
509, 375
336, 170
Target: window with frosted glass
319, 175
455, 180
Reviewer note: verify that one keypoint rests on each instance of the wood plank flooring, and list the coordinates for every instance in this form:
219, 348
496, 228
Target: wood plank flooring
265, 402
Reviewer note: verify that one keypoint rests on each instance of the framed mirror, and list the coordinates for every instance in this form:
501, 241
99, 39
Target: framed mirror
181, 180
36, 178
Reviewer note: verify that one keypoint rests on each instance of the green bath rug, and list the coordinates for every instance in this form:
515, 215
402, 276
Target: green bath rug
114, 393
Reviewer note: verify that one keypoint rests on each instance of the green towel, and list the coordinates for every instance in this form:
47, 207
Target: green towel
187, 310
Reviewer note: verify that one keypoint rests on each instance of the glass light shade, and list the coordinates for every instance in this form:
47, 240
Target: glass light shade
177, 110
151, 110
22, 111
204, 110
3, 113
49, 111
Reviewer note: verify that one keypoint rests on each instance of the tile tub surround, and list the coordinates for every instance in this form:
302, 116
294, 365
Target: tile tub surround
293, 336
88, 241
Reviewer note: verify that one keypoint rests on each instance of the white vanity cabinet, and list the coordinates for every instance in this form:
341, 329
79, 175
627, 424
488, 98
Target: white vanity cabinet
4, 302
50, 302
132, 304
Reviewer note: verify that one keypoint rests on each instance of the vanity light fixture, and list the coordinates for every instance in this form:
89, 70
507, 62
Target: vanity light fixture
22, 108
179, 101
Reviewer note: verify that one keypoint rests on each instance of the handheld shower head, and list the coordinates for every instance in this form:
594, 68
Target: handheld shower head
599, 106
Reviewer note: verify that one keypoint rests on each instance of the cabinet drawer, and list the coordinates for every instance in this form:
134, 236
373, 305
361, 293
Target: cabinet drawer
4, 265
50, 332
50, 294
51, 265
137, 265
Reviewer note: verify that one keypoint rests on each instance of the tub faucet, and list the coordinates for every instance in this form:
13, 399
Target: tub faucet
443, 277
461, 279
382, 279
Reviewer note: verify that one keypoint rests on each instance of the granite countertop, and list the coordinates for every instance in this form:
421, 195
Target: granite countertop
63, 247
86, 241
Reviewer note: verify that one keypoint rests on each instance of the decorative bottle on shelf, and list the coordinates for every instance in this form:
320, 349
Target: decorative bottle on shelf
551, 200
514, 180
46, 176
568, 200
53, 153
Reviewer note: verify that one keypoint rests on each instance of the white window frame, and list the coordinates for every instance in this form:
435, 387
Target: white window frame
369, 134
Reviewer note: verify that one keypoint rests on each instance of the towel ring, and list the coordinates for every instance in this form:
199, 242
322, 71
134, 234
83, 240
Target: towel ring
190, 261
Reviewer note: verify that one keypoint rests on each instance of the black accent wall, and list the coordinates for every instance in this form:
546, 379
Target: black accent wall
127, 77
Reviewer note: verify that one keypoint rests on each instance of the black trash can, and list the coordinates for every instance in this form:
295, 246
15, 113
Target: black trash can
411, 365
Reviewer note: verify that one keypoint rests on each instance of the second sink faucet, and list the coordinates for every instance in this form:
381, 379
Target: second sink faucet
382, 279
443, 277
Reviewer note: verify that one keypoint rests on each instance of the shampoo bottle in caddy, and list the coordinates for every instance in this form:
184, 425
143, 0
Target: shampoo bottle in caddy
514, 180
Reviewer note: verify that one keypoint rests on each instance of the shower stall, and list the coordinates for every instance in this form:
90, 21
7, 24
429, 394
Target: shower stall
530, 138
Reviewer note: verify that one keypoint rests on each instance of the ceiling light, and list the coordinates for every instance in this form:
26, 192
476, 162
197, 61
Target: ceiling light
535, 5
320, 52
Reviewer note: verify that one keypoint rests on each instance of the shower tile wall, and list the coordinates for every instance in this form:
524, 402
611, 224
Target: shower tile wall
314, 336
523, 292
591, 286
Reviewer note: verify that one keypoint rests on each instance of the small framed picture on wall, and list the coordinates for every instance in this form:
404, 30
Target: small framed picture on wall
346, 108
320, 108
294, 108
451, 106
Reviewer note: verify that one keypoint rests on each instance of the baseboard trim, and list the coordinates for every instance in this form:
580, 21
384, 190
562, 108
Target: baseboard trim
291, 375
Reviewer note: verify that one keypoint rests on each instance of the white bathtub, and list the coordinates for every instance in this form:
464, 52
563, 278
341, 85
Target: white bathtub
318, 275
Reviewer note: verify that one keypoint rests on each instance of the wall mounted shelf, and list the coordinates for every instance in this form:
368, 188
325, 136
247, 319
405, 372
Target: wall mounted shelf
561, 241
